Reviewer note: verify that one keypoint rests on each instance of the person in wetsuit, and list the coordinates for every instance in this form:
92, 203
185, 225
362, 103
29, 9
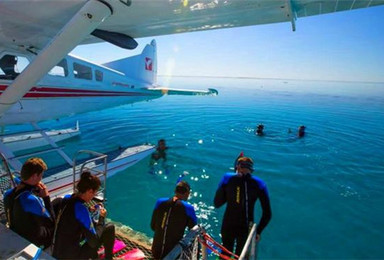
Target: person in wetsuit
170, 218
28, 205
160, 151
77, 236
301, 131
260, 130
240, 191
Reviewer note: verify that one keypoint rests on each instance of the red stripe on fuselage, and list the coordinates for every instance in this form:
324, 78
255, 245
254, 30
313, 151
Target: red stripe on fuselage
45, 95
44, 92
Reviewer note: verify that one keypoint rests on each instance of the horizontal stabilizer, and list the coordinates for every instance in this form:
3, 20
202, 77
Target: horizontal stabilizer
118, 39
170, 91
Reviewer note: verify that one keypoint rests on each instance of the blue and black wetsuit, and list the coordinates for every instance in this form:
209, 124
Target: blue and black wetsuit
169, 220
241, 193
77, 237
29, 215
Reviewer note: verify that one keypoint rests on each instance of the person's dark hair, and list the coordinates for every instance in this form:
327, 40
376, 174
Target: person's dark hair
182, 187
88, 181
32, 166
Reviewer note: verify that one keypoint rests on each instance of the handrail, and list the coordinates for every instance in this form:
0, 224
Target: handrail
250, 246
184, 242
7, 169
248, 252
7, 182
98, 156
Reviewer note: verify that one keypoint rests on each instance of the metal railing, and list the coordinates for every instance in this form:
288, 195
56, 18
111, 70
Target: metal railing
98, 169
186, 242
187, 248
6, 182
250, 248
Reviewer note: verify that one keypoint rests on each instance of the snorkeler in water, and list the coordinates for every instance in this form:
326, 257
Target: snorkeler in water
301, 131
260, 130
160, 151
159, 154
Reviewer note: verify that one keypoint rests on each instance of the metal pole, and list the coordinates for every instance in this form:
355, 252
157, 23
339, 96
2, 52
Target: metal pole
253, 254
105, 181
251, 236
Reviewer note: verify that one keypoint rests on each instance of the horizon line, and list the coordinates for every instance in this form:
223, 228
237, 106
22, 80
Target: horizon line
248, 77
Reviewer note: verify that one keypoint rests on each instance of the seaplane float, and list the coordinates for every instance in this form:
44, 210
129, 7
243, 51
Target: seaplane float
25, 141
40, 80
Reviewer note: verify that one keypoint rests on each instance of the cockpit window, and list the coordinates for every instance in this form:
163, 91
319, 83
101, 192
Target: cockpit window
61, 69
81, 71
11, 66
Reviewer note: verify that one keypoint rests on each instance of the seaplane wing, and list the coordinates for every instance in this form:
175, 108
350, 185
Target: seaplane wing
27, 23
162, 17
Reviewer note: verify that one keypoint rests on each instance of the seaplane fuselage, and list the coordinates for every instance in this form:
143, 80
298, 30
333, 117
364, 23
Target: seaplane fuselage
78, 86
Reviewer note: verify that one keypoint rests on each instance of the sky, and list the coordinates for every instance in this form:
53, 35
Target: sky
343, 46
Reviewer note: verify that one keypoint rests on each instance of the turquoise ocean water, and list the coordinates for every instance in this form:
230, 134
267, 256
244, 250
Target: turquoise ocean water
326, 189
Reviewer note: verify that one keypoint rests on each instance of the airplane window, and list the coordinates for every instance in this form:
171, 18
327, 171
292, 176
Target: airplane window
81, 71
22, 63
60, 69
11, 66
99, 75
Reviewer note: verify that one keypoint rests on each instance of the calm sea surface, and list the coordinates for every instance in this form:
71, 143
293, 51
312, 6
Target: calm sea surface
326, 189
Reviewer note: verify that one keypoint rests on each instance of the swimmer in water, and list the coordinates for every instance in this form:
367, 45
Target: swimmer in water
301, 131
157, 155
160, 151
259, 130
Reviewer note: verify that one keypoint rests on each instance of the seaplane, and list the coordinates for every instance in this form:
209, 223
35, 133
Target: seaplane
40, 80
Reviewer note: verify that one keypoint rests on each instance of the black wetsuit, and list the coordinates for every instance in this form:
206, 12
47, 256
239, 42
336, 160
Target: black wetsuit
160, 153
29, 215
77, 237
241, 193
169, 220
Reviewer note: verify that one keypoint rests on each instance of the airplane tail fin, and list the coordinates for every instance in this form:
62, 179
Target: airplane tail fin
142, 67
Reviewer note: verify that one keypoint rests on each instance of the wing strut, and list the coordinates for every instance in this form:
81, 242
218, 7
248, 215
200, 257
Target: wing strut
291, 14
81, 25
